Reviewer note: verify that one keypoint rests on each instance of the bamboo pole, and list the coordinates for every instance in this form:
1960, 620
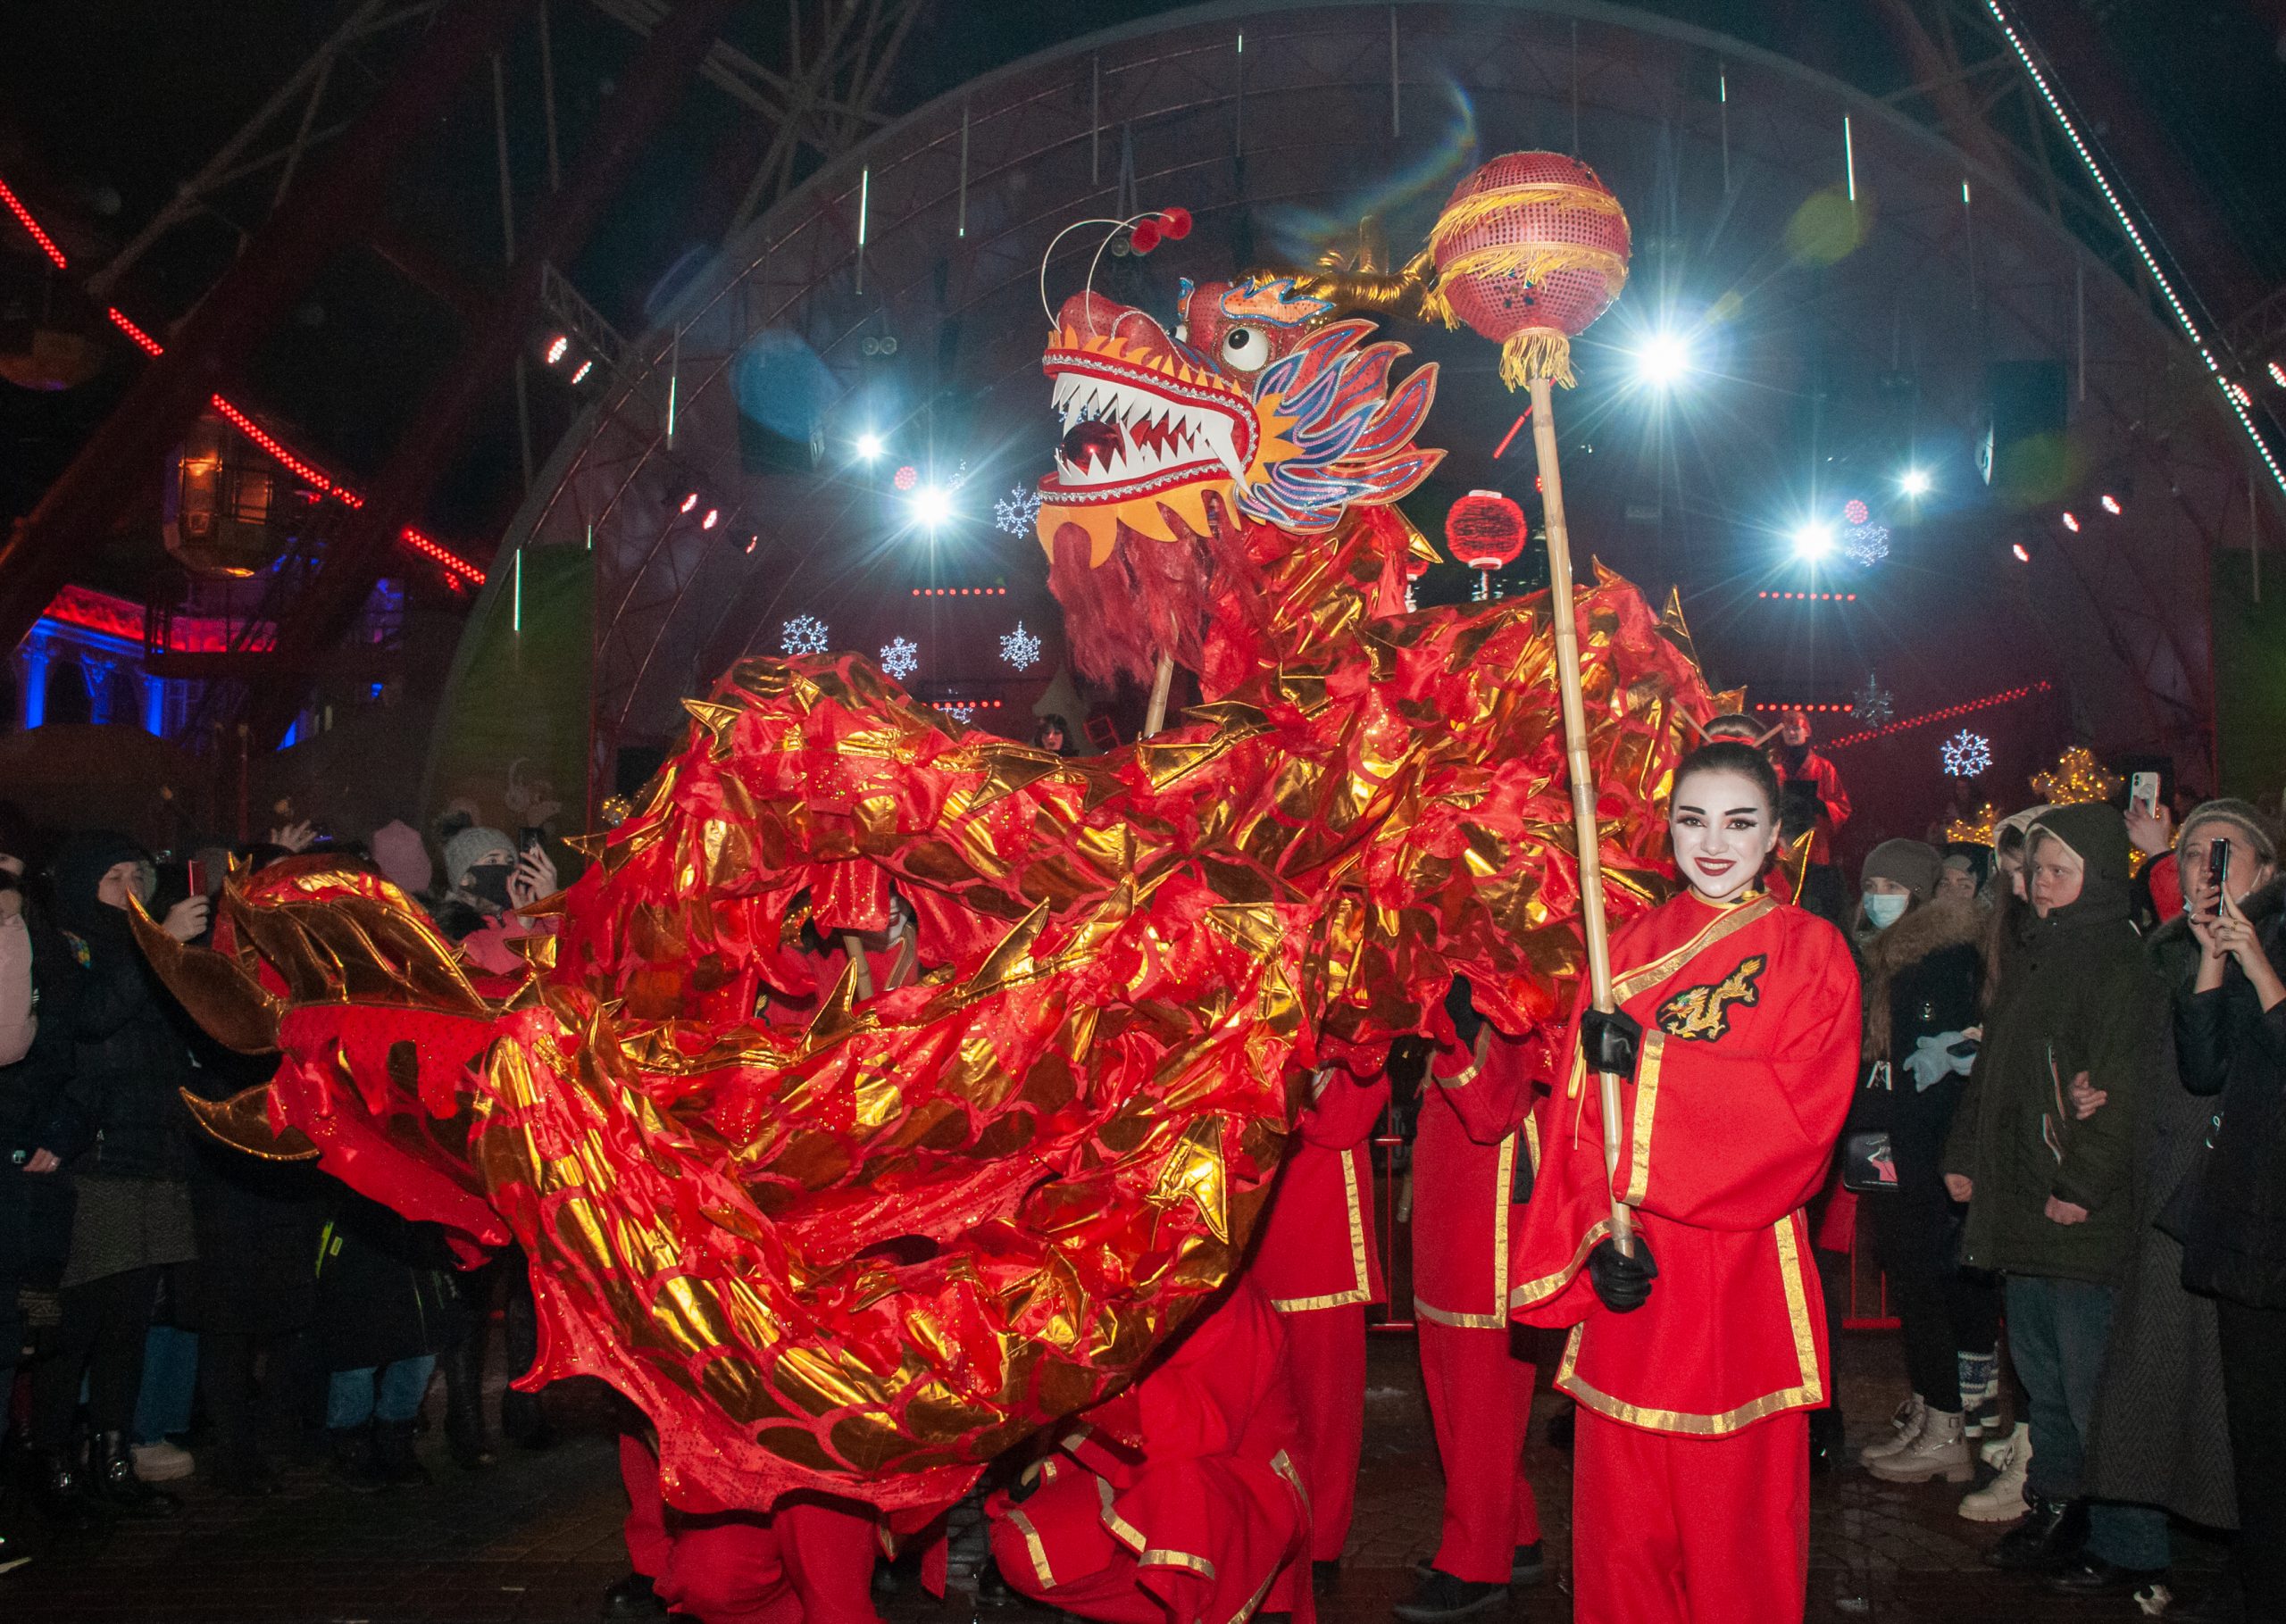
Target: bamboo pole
1160, 686
854, 945
1583, 786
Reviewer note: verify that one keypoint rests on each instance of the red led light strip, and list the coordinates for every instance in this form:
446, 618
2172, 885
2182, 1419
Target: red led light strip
302, 469
1814, 597
960, 592
1811, 709
2006, 696
24, 218
964, 704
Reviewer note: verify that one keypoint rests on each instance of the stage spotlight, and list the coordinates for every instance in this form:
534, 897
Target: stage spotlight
1915, 482
869, 446
2023, 555
690, 501
1663, 360
712, 514
581, 376
930, 506
1812, 540
2072, 521
2110, 505
556, 347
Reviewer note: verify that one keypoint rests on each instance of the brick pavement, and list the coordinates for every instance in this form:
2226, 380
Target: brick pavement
537, 1539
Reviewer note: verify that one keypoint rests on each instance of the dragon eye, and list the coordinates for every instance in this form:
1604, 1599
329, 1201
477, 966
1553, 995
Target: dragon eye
1246, 349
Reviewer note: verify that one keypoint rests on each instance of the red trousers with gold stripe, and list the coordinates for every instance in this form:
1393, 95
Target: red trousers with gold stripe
1481, 1403
1325, 1365
1667, 1529
804, 1563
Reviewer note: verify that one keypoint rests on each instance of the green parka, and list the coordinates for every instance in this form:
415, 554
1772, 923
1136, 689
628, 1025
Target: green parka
2080, 994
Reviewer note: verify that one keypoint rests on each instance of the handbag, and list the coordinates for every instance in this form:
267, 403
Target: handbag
1868, 1164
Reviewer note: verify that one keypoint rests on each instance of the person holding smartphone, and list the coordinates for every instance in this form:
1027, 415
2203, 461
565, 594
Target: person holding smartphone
2231, 1213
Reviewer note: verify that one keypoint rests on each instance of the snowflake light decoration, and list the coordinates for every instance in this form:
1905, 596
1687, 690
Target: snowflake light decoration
900, 657
805, 633
1020, 648
1015, 513
1873, 704
1868, 544
1967, 754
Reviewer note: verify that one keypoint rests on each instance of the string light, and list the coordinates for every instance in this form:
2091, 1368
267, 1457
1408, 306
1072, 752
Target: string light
2234, 392
2071, 522
2006, 697
2110, 505
2076, 778
1976, 830
142, 340
24, 218
586, 366
1966, 754
557, 349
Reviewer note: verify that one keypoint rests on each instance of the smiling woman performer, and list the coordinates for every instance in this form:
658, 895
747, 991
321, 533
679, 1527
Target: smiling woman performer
1694, 1360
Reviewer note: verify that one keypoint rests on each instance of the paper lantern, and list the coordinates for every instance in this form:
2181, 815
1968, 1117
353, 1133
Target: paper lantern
1529, 250
1486, 531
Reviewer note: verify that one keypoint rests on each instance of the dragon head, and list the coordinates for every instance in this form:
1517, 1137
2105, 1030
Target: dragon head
1258, 399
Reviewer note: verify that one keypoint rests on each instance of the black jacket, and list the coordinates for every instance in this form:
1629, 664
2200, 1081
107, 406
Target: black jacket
385, 1289
2230, 1215
123, 1113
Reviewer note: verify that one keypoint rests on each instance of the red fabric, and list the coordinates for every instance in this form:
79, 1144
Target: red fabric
1182, 1493
1318, 1248
1676, 1531
1481, 1403
1325, 1363
1833, 800
489, 948
809, 1561
1473, 1129
1751, 1017
2166, 886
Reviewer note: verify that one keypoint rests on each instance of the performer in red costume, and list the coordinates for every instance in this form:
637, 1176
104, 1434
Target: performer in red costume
809, 1561
1695, 1359
1475, 1151
1179, 1500
1318, 1262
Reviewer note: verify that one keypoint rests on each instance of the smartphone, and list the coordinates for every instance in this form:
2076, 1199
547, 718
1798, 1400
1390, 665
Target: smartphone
2143, 790
2218, 871
196, 871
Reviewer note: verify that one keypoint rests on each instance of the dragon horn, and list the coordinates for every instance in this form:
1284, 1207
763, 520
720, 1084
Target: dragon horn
230, 1004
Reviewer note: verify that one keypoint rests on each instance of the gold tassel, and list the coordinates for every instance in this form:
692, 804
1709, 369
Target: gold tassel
1462, 213
1539, 352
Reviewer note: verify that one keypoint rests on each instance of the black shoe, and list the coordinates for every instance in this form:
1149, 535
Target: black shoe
351, 1452
1527, 1566
1561, 1426
633, 1597
393, 1457
2093, 1575
1441, 1596
1324, 1575
113, 1482
59, 1492
2046, 1541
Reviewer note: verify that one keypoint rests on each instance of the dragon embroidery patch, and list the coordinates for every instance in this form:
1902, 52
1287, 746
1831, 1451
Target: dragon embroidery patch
1703, 1014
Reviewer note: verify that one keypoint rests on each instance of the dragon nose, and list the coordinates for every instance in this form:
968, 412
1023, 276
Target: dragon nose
1090, 315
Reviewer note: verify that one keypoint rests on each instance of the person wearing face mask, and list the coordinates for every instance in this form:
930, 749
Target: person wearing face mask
1695, 1356
488, 879
1920, 957
2050, 1195
1811, 801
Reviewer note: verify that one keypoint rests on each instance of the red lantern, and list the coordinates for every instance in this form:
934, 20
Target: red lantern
1486, 531
1529, 250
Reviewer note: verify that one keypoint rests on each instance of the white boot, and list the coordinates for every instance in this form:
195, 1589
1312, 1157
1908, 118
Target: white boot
1938, 1450
2002, 1500
1905, 1426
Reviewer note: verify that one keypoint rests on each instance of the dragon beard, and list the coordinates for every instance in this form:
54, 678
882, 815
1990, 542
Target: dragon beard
1149, 597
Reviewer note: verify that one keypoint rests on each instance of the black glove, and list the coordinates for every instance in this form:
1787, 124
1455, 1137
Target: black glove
1609, 1040
1461, 1005
1622, 1284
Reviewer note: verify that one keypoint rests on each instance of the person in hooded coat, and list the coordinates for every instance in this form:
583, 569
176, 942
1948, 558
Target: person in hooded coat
119, 1127
2051, 1196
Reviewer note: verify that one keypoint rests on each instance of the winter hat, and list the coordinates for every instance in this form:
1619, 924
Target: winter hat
2098, 835
1973, 859
400, 855
1910, 863
80, 864
2243, 819
465, 849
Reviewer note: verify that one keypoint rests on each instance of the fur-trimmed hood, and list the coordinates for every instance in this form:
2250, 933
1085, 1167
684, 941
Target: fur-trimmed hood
1930, 927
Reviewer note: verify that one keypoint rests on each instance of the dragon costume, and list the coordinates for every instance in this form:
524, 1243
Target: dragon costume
865, 1247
